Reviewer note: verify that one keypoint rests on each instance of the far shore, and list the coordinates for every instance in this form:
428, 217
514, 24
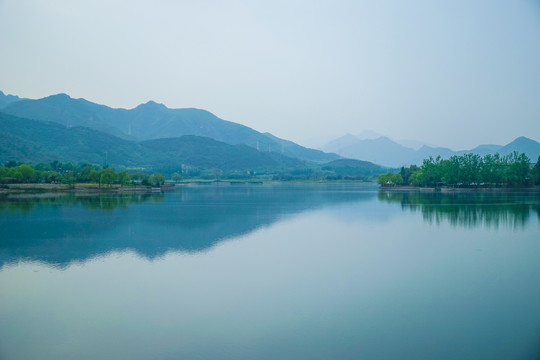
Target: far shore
76, 188
86, 188
449, 189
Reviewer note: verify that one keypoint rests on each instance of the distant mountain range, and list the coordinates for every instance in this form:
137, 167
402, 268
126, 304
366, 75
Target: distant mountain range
152, 121
384, 151
151, 135
40, 141
7, 99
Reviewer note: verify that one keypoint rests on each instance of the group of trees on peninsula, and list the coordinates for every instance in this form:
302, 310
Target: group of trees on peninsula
512, 170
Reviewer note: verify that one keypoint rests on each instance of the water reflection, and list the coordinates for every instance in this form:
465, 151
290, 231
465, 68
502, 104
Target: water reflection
62, 229
59, 229
469, 209
26, 203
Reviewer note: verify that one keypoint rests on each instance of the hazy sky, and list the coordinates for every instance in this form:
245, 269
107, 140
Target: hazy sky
452, 73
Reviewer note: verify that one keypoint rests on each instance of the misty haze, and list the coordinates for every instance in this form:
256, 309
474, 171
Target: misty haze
285, 180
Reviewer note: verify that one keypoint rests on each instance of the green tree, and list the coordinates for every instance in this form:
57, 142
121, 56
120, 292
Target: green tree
383, 179
451, 171
396, 179
419, 178
518, 169
177, 177
53, 177
470, 169
26, 172
95, 177
123, 178
107, 176
535, 172
3, 173
84, 174
390, 179
158, 179
407, 172
488, 169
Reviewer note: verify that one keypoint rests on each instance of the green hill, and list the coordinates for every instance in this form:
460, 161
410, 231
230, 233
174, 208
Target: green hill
353, 167
40, 141
154, 121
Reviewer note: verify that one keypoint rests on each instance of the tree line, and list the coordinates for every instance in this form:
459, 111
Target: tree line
57, 172
469, 170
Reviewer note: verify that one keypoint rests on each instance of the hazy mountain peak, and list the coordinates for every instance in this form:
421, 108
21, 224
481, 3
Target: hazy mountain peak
382, 139
58, 96
7, 99
151, 105
523, 139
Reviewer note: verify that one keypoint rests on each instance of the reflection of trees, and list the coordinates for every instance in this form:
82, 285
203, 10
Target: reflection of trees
62, 228
108, 202
469, 209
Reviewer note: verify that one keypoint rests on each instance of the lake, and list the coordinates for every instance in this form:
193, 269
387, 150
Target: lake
273, 271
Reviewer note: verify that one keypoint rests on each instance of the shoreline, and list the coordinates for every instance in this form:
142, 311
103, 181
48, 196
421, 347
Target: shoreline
94, 189
63, 188
85, 188
448, 189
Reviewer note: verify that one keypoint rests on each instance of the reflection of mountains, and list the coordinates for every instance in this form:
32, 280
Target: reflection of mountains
469, 209
62, 229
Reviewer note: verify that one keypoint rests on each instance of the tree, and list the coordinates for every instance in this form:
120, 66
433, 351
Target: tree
396, 179
451, 170
95, 177
488, 169
407, 172
535, 172
123, 178
84, 174
383, 179
419, 178
470, 169
177, 177
3, 171
107, 176
53, 177
518, 169
390, 179
158, 179
25, 172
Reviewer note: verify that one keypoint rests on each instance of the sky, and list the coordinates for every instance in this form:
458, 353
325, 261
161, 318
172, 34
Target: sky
451, 73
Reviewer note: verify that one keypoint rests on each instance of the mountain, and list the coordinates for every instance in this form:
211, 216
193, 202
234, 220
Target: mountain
292, 149
426, 151
335, 146
522, 144
206, 153
70, 112
413, 144
353, 167
7, 99
154, 121
484, 150
40, 141
381, 151
387, 152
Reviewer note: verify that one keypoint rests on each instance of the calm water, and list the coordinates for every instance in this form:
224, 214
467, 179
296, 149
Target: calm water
270, 272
